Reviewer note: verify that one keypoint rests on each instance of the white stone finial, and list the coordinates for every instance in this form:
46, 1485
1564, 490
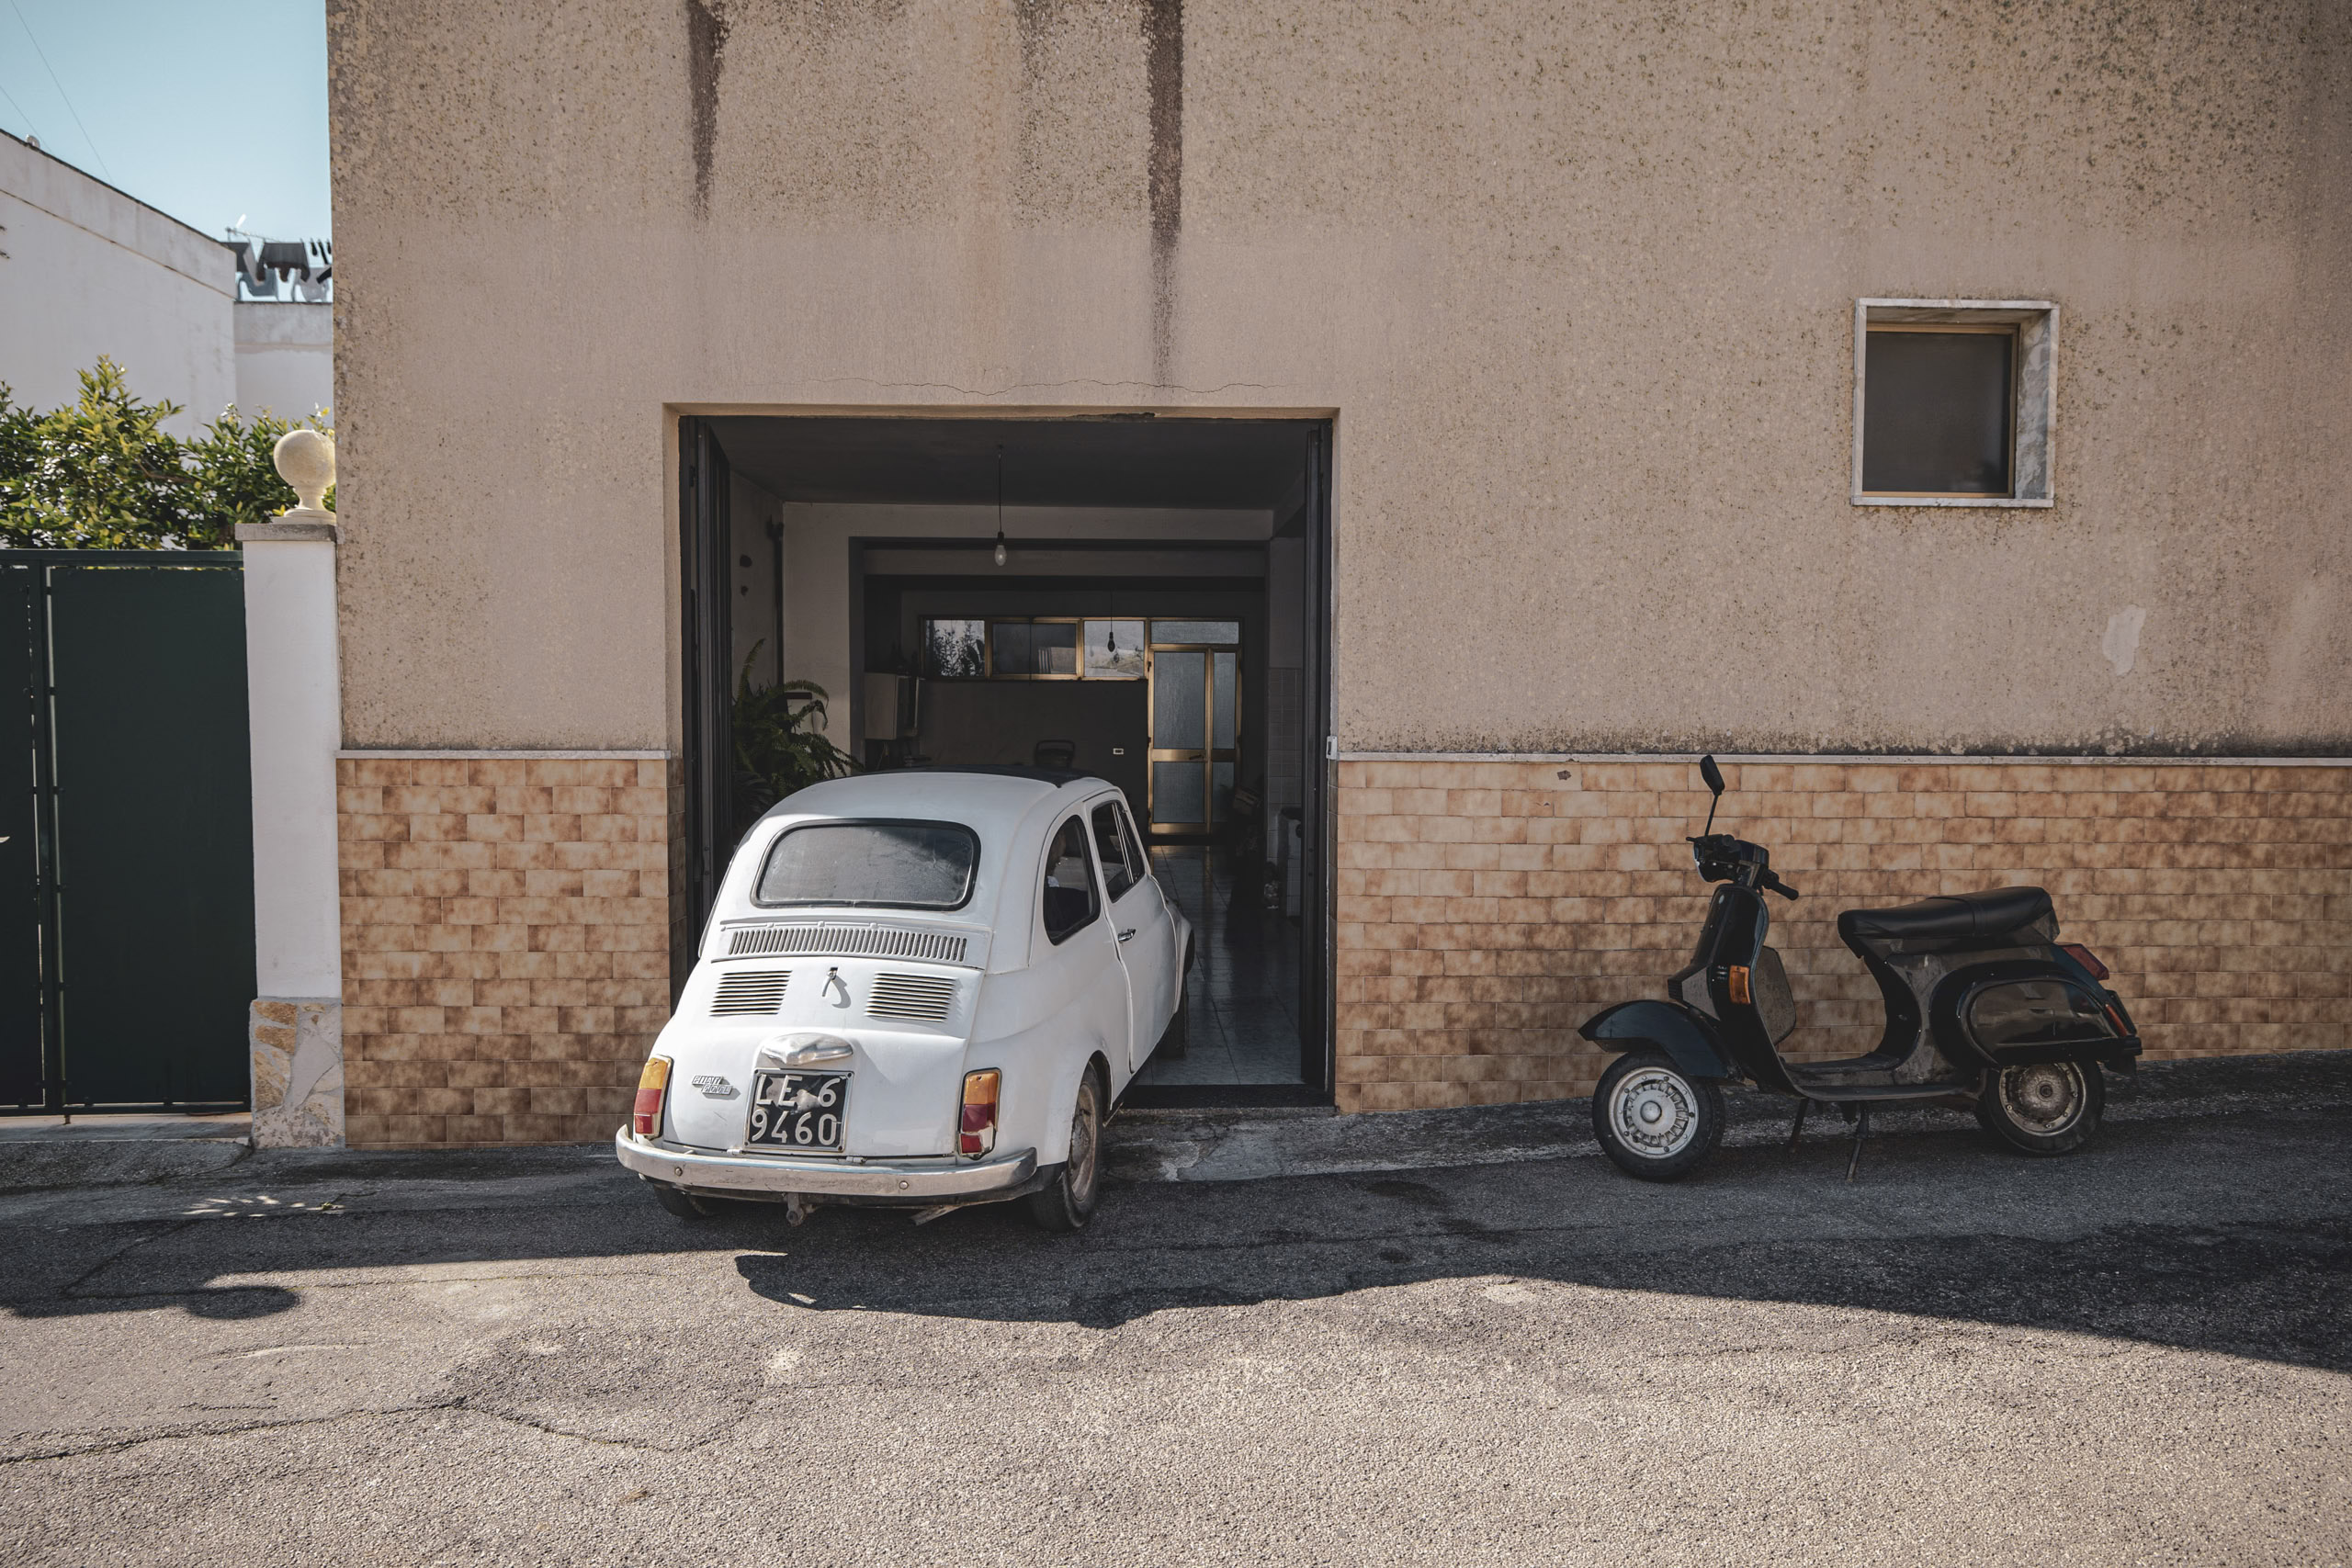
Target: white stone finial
305, 461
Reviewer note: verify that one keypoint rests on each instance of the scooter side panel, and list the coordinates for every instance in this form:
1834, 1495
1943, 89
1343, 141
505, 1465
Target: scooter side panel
2006, 998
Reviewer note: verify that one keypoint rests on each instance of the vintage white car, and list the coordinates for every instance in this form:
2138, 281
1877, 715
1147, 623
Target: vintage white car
917, 988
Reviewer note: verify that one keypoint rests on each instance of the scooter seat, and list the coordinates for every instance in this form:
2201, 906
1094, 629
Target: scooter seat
1955, 918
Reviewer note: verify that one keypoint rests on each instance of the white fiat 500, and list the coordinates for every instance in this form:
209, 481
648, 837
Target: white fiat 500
919, 988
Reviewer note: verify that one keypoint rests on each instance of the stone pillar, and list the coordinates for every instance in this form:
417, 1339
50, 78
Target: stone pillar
294, 687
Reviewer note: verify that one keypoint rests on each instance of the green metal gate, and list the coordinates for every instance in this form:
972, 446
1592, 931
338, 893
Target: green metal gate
126, 869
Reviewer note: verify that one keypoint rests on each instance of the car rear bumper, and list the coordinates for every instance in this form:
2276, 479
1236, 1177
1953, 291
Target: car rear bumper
933, 1181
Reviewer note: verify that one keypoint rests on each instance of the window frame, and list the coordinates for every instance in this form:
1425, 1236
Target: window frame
767, 860
1118, 834
2033, 391
1096, 903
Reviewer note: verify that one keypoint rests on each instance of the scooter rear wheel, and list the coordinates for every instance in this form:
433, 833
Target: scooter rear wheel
1653, 1120
2050, 1108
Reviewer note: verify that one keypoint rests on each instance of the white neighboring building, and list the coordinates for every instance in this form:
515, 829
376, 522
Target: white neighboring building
90, 270
285, 358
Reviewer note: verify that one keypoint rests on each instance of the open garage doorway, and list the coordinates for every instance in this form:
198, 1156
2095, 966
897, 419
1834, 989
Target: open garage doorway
1141, 598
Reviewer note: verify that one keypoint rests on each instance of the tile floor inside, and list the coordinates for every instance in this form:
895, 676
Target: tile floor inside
1244, 984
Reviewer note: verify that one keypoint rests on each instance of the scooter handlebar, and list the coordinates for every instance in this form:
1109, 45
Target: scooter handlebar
1772, 883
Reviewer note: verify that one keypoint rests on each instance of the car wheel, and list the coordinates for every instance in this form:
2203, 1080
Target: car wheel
1178, 1036
2049, 1108
685, 1205
1653, 1120
1066, 1202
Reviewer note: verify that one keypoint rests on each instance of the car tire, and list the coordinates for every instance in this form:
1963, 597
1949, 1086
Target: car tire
1653, 1120
684, 1204
1177, 1038
1067, 1201
2048, 1109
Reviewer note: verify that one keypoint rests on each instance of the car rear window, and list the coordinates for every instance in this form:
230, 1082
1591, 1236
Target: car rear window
890, 866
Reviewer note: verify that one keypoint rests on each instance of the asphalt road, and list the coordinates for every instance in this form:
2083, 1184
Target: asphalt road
2138, 1355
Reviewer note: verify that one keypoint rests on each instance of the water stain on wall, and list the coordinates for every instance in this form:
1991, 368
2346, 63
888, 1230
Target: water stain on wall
1163, 37
706, 55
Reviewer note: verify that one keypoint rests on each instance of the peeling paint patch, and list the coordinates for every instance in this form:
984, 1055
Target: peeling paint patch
706, 55
2122, 644
1163, 37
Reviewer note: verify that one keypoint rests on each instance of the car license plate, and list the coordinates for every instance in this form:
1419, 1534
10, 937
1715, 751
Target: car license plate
801, 1112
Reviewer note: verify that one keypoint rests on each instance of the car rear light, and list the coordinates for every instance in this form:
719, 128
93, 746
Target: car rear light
2085, 958
977, 1133
652, 1089
1739, 984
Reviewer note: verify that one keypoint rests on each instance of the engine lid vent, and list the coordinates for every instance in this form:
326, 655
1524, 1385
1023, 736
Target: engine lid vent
847, 942
750, 993
920, 999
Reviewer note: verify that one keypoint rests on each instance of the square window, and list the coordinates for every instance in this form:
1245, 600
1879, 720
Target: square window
1114, 651
954, 650
1008, 649
1953, 402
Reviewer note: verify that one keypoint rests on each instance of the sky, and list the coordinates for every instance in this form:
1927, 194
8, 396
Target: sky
209, 110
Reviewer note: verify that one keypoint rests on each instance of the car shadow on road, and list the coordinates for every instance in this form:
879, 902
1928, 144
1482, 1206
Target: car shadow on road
2179, 1236
2229, 1234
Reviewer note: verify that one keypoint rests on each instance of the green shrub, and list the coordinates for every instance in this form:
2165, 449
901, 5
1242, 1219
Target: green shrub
101, 473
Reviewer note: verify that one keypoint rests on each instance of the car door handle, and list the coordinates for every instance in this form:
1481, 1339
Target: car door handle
1127, 933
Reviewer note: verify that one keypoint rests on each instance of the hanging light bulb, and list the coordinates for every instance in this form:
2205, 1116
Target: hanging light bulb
999, 505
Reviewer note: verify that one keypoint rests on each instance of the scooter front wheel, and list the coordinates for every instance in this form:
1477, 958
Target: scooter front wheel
2049, 1108
1653, 1120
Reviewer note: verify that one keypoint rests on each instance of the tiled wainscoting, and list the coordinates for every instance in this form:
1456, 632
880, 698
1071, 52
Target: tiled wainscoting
506, 942
1486, 908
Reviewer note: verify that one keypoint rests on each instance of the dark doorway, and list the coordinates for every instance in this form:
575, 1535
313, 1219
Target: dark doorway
1143, 599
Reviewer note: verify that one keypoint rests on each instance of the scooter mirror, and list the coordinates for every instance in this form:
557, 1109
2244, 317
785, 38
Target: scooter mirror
1715, 777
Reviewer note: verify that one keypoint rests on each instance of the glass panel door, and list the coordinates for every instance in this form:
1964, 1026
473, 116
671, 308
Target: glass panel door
1196, 727
1179, 738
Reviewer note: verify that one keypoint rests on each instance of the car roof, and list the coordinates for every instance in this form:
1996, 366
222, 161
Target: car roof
990, 800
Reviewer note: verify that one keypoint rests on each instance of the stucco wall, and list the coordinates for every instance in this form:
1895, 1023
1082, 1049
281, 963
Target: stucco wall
91, 271
1578, 280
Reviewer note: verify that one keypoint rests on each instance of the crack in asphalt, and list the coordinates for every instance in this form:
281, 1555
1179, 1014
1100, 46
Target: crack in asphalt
456, 1406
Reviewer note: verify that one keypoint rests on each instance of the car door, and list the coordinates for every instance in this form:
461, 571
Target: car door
1139, 919
1080, 958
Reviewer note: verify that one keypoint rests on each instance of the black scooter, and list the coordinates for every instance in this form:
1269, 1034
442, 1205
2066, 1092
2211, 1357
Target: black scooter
1985, 1010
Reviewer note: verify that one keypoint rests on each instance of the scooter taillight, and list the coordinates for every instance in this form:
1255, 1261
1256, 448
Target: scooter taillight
2085, 958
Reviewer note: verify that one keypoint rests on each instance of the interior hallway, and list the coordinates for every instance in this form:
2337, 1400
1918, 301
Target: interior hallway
1243, 989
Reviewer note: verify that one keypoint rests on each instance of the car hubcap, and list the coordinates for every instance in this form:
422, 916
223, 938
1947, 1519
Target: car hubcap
2043, 1100
1655, 1112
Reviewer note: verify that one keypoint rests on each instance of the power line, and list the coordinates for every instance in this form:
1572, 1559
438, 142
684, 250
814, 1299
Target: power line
30, 128
88, 138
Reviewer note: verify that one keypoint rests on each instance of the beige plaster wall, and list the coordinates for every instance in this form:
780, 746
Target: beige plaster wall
1578, 280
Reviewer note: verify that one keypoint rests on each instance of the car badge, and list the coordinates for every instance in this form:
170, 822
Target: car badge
716, 1087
